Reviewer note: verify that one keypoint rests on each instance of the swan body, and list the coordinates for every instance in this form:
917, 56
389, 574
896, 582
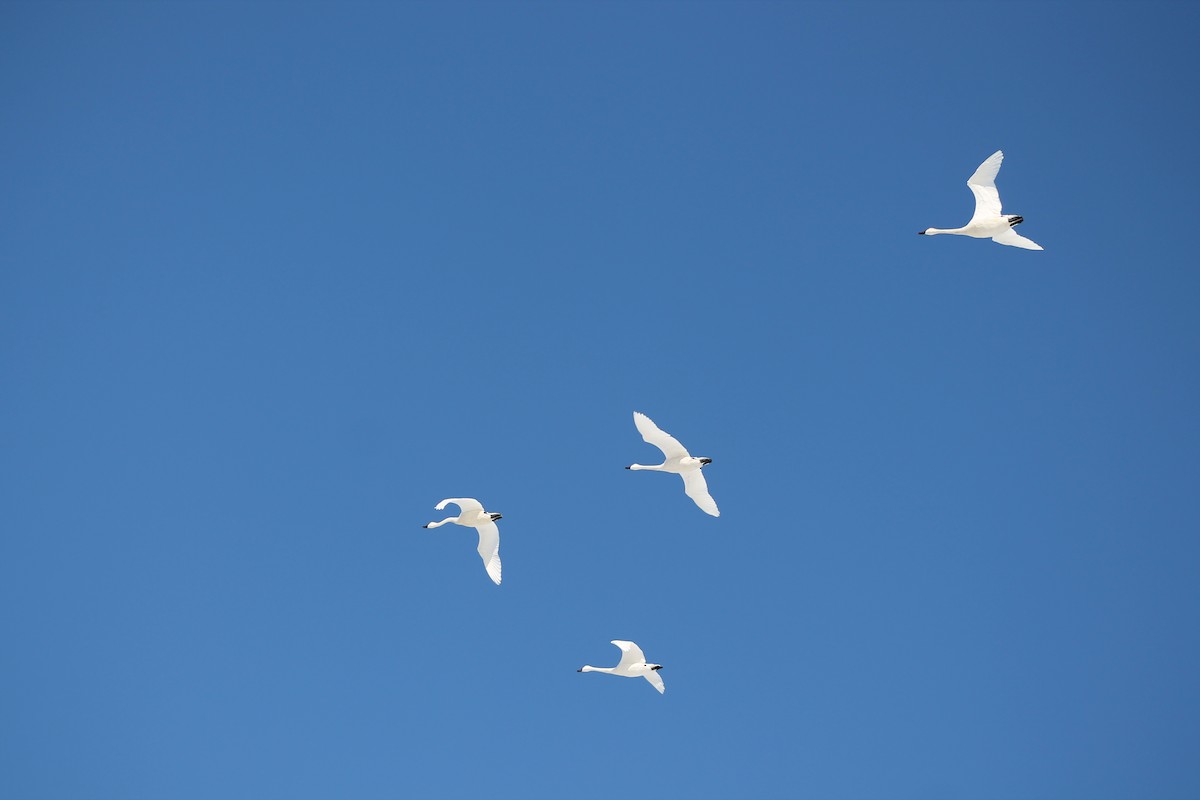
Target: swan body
472, 515
677, 460
632, 665
988, 222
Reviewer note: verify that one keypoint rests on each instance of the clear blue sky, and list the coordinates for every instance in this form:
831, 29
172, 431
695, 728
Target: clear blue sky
275, 278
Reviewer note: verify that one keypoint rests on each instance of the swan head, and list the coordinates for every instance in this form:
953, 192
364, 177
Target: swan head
495, 516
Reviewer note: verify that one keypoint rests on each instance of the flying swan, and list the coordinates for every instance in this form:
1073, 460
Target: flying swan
988, 222
472, 515
633, 664
677, 461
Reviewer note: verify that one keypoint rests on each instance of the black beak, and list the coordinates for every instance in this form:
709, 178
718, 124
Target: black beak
629, 468
656, 667
706, 461
497, 516
920, 233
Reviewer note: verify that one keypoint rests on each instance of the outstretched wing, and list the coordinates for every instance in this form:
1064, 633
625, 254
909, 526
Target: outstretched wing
696, 488
630, 654
656, 681
1011, 237
659, 438
465, 504
983, 185
489, 550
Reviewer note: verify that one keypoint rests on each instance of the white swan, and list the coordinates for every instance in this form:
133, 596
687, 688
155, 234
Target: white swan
988, 222
472, 515
633, 665
678, 461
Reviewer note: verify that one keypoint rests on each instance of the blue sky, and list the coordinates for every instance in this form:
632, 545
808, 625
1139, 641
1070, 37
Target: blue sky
277, 278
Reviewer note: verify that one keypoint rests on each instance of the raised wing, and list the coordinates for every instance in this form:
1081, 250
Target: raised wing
696, 488
983, 185
630, 654
1011, 237
489, 550
464, 503
656, 681
659, 438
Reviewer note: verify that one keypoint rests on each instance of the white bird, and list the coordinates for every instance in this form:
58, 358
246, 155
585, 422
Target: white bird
633, 665
988, 222
472, 515
678, 461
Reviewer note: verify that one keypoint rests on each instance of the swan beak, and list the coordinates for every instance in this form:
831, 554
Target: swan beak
920, 233
579, 670
706, 461
497, 516
629, 468
656, 667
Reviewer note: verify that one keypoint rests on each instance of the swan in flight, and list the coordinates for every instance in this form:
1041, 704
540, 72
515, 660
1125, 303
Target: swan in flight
472, 515
633, 665
988, 222
678, 461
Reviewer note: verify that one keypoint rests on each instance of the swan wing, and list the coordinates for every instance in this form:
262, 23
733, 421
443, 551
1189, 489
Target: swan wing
1011, 237
466, 504
489, 550
983, 185
659, 438
630, 654
656, 681
696, 488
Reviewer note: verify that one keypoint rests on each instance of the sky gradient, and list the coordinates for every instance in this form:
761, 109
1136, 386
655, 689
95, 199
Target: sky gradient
277, 278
